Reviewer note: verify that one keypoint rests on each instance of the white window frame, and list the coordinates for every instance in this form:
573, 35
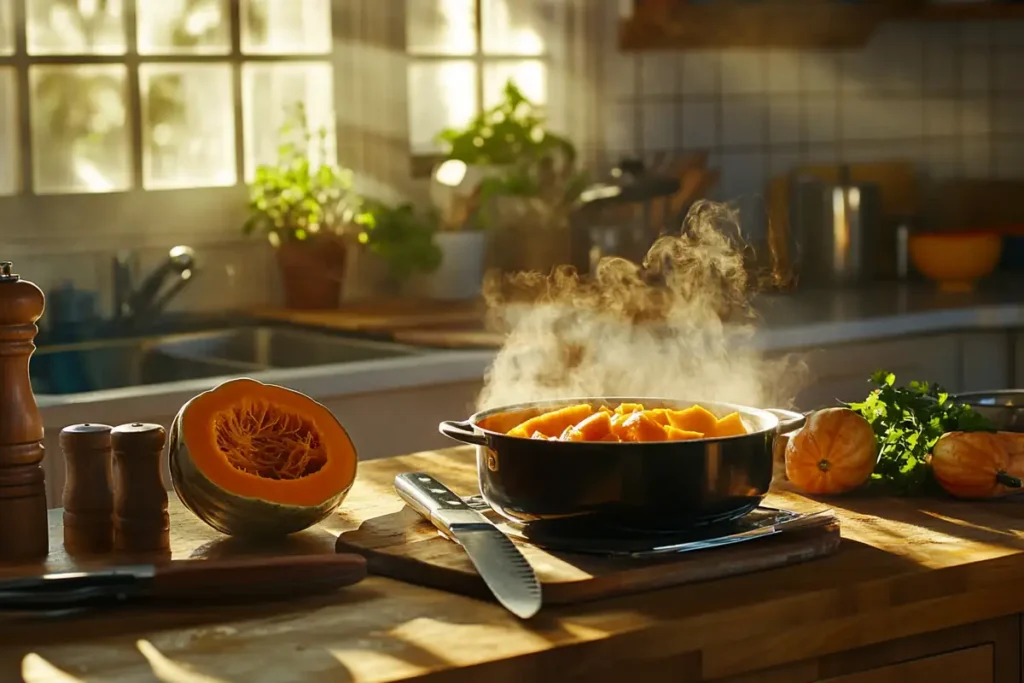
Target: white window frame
552, 57
32, 223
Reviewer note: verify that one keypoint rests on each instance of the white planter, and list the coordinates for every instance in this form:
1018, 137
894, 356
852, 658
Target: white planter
461, 273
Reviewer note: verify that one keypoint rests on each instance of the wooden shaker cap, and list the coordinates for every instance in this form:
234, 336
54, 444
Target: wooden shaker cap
85, 437
138, 436
21, 302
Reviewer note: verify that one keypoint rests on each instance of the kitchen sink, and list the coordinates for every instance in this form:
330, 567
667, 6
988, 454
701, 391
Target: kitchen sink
111, 364
276, 347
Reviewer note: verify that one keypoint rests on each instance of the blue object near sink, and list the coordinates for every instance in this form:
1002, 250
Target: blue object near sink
71, 318
1013, 253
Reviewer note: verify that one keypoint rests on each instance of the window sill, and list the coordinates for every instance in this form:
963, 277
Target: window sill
36, 224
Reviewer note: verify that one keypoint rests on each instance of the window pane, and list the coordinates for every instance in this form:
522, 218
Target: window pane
531, 77
79, 128
183, 27
6, 27
441, 95
82, 27
440, 27
188, 129
8, 132
268, 92
517, 27
286, 26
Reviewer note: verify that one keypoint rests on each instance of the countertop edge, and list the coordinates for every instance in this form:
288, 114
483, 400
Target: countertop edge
453, 366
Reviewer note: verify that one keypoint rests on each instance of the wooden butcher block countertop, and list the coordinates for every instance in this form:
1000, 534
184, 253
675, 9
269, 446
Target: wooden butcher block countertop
904, 568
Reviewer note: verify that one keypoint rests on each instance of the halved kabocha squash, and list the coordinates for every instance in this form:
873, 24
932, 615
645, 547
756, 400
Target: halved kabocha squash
254, 459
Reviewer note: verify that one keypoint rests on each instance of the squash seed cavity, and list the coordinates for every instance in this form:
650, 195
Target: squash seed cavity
260, 438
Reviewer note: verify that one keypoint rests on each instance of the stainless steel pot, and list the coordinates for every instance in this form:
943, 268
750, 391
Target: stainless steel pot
667, 485
834, 230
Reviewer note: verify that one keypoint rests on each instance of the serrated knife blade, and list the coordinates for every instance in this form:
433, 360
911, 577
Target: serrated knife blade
498, 561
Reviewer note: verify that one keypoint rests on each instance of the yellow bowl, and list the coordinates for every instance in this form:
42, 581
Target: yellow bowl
956, 260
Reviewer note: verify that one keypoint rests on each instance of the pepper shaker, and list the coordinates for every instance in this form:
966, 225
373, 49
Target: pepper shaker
24, 536
141, 523
88, 492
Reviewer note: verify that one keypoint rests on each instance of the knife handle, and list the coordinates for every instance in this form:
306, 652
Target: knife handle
256, 577
435, 502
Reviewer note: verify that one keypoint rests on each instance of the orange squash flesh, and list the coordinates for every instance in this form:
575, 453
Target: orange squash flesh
261, 441
553, 423
256, 459
628, 422
694, 419
592, 428
676, 434
730, 425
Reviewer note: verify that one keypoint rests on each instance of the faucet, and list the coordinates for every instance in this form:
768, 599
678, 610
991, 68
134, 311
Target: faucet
150, 297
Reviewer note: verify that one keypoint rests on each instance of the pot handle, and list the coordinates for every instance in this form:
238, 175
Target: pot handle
462, 431
789, 421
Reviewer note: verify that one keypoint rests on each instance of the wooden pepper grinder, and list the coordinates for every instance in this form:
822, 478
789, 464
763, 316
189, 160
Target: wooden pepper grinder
88, 492
23, 523
141, 523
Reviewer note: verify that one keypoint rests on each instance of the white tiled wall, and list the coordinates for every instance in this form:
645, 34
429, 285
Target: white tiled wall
950, 97
228, 276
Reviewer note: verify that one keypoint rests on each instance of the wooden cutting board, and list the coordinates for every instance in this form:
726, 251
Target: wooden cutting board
451, 338
383, 316
401, 545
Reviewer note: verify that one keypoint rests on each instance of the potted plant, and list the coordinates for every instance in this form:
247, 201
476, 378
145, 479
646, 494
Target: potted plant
527, 181
306, 210
402, 238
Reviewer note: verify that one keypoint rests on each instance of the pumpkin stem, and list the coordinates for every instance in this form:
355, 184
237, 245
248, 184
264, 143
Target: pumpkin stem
1007, 480
824, 465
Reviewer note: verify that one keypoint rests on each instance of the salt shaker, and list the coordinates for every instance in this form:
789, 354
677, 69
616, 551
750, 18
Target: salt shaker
141, 523
23, 523
88, 492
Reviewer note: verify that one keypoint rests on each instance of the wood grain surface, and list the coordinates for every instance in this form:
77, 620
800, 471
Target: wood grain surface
904, 568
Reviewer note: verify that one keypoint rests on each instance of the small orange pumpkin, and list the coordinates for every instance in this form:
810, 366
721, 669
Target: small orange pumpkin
834, 452
975, 464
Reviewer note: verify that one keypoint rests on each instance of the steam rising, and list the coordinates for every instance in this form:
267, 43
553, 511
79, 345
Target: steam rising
655, 329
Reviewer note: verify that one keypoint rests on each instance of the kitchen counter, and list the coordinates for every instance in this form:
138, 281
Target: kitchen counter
822, 318
919, 590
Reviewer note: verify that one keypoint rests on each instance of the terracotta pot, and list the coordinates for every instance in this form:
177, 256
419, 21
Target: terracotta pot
312, 272
523, 238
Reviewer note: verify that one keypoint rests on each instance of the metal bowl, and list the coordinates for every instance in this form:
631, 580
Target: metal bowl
1005, 407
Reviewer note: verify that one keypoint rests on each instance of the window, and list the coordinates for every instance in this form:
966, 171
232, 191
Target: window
190, 94
462, 52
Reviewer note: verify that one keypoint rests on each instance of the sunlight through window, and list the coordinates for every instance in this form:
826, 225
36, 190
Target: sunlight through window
8, 132
6, 27
111, 109
462, 53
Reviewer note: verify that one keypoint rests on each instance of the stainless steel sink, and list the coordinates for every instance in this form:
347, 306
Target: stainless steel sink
110, 364
74, 368
276, 347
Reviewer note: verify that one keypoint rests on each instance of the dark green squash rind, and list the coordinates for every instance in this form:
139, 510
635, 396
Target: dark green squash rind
232, 514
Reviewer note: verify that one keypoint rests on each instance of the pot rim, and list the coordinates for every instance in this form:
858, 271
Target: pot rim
977, 399
774, 417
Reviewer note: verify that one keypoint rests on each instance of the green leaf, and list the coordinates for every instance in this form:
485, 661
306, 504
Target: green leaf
290, 197
908, 421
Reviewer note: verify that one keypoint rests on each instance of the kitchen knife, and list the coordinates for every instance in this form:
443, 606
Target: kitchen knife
500, 564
